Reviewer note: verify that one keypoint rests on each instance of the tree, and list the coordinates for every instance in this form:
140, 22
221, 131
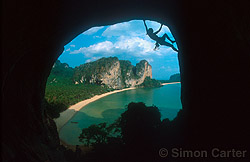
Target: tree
94, 134
150, 83
139, 124
100, 134
132, 135
175, 77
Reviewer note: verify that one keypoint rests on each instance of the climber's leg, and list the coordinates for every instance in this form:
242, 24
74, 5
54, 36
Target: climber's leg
166, 36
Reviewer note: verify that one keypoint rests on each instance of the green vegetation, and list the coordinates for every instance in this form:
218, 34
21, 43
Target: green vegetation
61, 92
96, 71
150, 83
173, 78
140, 67
67, 86
61, 73
137, 125
61, 96
100, 134
127, 68
95, 68
138, 131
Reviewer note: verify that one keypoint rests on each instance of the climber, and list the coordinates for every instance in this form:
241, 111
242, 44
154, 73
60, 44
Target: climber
159, 40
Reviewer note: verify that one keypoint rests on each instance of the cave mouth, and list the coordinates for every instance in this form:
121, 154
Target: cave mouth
213, 42
121, 41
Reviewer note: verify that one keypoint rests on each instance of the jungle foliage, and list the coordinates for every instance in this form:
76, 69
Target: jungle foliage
61, 92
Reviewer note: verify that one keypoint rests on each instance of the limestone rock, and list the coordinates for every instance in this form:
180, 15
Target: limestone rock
114, 73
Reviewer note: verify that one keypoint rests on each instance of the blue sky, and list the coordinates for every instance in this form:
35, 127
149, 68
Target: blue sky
127, 41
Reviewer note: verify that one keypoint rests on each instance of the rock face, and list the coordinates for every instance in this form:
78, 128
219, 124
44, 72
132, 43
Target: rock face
133, 76
112, 72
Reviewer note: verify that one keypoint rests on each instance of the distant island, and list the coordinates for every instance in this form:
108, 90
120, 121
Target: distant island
67, 86
173, 78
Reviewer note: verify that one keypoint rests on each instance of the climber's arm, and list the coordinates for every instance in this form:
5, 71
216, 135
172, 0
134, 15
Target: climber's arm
158, 30
145, 25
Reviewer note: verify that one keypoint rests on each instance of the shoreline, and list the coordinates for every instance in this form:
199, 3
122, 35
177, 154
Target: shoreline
66, 115
170, 83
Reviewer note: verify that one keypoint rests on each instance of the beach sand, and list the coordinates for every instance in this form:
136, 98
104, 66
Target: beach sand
170, 83
66, 115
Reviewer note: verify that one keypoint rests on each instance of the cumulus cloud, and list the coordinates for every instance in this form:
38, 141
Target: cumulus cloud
131, 28
150, 60
92, 30
126, 41
134, 46
92, 59
105, 47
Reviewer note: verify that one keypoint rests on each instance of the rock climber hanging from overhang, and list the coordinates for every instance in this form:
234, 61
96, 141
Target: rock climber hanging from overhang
159, 40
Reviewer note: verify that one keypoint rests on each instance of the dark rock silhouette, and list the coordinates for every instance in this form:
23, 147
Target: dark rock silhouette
213, 41
139, 124
140, 135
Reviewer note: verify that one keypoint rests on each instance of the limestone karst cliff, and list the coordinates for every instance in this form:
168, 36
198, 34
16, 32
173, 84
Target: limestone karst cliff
112, 72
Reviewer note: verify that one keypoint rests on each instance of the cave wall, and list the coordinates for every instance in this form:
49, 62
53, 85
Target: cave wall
214, 43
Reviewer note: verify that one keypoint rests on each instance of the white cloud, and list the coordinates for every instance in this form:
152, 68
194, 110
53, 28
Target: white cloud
99, 48
133, 46
116, 29
92, 59
92, 30
72, 45
150, 60
135, 28
132, 28
68, 49
166, 50
128, 38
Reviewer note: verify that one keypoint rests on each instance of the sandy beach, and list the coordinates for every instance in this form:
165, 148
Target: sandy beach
70, 112
170, 83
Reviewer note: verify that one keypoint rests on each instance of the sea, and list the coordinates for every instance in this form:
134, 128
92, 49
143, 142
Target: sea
109, 108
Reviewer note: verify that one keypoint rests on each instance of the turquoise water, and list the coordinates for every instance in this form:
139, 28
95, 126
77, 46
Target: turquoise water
109, 108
